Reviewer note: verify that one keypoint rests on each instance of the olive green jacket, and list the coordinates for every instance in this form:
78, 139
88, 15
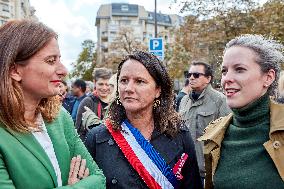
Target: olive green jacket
210, 105
25, 165
214, 135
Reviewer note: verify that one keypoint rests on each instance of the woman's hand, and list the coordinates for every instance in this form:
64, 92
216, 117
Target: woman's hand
78, 170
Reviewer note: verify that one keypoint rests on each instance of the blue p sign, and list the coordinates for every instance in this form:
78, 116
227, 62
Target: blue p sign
156, 44
156, 47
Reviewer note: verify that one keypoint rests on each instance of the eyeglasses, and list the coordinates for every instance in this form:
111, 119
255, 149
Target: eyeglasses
195, 75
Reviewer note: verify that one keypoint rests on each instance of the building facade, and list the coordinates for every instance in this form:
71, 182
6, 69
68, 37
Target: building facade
15, 9
111, 18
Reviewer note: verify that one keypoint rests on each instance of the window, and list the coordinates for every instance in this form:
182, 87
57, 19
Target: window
125, 22
167, 18
124, 8
2, 22
5, 7
105, 50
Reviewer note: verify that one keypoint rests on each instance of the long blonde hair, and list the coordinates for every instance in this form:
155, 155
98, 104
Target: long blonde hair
20, 40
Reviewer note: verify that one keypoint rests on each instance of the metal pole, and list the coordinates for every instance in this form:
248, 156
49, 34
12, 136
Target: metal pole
155, 18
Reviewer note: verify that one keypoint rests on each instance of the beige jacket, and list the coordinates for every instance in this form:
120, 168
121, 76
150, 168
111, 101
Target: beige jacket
215, 132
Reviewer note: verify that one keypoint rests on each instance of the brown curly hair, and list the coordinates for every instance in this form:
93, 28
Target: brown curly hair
20, 40
166, 119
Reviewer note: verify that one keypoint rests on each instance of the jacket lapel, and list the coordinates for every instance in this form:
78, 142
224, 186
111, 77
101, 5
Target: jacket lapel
276, 118
276, 136
214, 133
30, 143
60, 148
167, 147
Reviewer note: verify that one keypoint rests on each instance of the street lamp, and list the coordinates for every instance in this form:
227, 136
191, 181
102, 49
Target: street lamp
155, 18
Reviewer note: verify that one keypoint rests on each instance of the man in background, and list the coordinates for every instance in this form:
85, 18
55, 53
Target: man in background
201, 106
89, 88
78, 91
97, 102
184, 91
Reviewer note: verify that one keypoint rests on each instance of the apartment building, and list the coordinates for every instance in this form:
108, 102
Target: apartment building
111, 18
15, 9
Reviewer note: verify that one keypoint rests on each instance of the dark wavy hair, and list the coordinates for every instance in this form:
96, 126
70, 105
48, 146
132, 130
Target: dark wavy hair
166, 118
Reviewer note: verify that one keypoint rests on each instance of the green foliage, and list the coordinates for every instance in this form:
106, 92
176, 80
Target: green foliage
85, 64
212, 23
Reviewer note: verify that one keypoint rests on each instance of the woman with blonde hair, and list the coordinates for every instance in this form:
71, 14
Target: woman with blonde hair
39, 147
246, 148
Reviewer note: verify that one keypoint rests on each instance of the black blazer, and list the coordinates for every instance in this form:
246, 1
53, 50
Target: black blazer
120, 174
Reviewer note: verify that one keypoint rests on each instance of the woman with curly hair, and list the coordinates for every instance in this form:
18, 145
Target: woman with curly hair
143, 143
39, 147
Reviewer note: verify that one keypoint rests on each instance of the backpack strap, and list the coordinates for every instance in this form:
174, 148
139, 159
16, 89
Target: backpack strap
99, 105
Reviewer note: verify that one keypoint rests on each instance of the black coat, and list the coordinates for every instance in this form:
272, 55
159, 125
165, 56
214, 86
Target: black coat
120, 174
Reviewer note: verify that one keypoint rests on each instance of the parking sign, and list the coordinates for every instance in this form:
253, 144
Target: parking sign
156, 47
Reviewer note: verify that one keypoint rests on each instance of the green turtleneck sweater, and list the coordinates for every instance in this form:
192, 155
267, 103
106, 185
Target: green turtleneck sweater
244, 163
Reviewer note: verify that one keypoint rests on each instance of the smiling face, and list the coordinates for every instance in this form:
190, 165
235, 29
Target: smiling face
102, 88
41, 76
242, 78
137, 88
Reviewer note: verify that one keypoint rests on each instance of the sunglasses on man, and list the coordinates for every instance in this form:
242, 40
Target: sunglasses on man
195, 75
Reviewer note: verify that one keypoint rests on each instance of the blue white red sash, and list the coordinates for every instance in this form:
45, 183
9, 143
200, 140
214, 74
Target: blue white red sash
143, 157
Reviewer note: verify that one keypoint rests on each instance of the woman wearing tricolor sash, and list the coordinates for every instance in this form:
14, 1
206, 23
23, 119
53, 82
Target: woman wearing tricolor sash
143, 143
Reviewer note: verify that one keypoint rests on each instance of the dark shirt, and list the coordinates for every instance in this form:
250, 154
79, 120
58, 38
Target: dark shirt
68, 102
91, 102
75, 106
120, 174
180, 95
194, 95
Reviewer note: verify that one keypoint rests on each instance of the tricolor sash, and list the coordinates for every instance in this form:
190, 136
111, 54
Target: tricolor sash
143, 157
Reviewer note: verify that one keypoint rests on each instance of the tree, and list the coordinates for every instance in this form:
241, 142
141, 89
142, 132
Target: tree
270, 19
176, 56
209, 26
124, 43
85, 64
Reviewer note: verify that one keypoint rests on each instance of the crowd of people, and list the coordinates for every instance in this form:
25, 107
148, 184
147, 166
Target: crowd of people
129, 129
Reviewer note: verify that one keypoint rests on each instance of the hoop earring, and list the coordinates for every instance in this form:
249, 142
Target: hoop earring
156, 103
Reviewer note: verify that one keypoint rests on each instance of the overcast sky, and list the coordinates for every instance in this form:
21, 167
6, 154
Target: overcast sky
74, 20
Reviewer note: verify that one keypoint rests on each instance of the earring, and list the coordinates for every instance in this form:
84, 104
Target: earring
266, 85
156, 103
118, 101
